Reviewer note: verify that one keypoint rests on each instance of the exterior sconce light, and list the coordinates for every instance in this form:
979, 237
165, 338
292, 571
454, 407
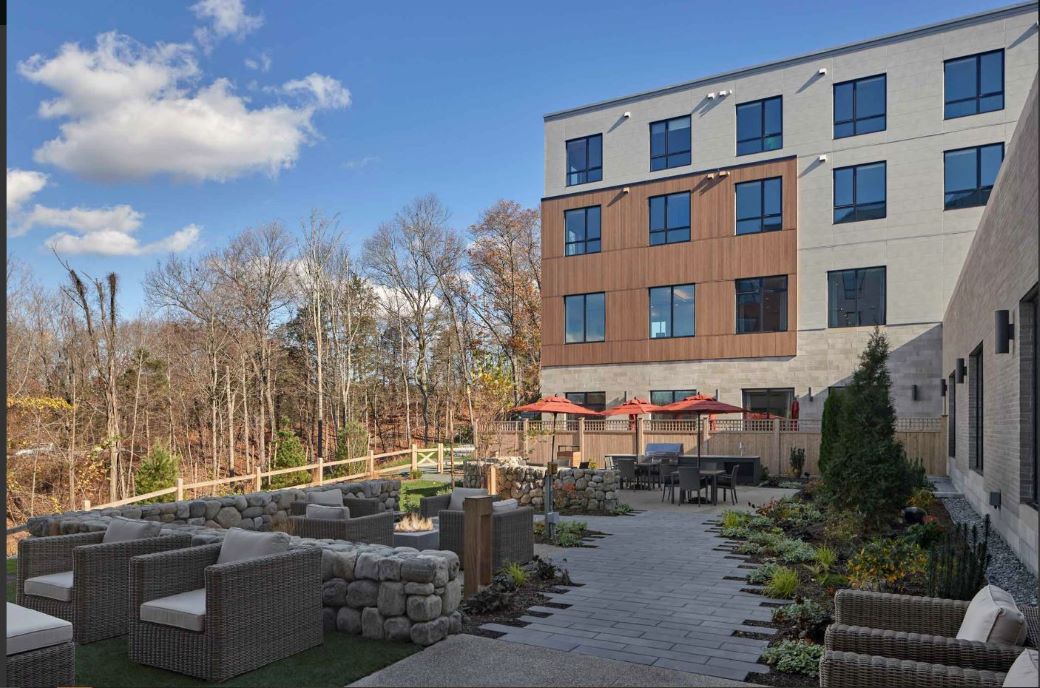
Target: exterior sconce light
711, 96
627, 115
810, 394
1005, 331
711, 175
822, 70
625, 190
724, 173
962, 370
822, 158
942, 386
913, 392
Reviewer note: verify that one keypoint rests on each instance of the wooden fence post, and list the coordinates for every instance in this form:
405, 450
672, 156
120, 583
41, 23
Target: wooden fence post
476, 549
524, 443
371, 465
415, 458
640, 435
492, 480
318, 473
777, 470
257, 480
180, 490
440, 457
86, 505
581, 441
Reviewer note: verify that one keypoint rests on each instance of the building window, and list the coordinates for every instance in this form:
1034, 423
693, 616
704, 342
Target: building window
856, 297
760, 126
762, 304
970, 174
663, 397
860, 106
951, 415
585, 317
775, 402
859, 193
975, 410
1029, 394
585, 160
672, 311
582, 226
670, 218
760, 206
974, 84
594, 401
670, 143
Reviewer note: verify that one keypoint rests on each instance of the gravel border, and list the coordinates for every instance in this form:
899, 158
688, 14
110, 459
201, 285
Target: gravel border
1005, 569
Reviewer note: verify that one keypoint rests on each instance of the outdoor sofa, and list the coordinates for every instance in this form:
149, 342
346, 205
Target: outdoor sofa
326, 515
512, 526
40, 651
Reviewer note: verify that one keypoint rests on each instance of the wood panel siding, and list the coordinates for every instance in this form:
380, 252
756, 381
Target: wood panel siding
628, 266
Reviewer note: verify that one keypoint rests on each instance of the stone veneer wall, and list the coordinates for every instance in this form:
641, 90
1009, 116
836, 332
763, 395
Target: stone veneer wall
379, 592
577, 489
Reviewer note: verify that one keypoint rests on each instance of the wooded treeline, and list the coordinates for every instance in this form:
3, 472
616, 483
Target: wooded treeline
410, 335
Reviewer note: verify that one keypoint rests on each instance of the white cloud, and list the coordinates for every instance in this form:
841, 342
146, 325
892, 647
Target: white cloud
261, 63
131, 112
360, 163
324, 91
21, 186
108, 231
225, 18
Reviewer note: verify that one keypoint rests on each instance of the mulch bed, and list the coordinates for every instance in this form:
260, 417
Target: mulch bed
530, 595
588, 537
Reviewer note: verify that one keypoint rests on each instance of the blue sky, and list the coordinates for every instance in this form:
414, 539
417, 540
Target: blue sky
160, 153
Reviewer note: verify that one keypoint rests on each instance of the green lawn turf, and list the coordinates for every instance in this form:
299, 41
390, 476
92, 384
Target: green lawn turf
413, 490
341, 660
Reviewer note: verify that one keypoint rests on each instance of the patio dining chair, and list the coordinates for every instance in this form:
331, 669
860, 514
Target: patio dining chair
627, 470
729, 482
690, 480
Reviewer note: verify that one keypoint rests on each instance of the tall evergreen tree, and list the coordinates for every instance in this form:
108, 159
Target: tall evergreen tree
830, 426
867, 470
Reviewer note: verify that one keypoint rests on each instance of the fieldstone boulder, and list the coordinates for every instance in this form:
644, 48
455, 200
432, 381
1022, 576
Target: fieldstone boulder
391, 600
334, 593
228, 517
362, 593
418, 588
424, 608
348, 620
427, 633
398, 628
372, 623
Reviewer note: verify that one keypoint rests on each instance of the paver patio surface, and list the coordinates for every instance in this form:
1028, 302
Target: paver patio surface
655, 593
468, 660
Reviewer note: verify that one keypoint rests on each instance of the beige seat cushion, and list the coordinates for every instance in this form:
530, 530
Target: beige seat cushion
993, 617
329, 513
459, 494
240, 545
56, 586
185, 610
123, 529
1024, 671
326, 497
505, 505
28, 629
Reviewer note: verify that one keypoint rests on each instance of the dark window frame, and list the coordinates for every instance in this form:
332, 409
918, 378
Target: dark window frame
883, 308
981, 191
674, 395
763, 215
586, 171
761, 301
857, 207
668, 154
584, 242
763, 134
671, 311
976, 410
979, 95
789, 392
855, 119
951, 415
574, 396
666, 230
585, 317
1029, 319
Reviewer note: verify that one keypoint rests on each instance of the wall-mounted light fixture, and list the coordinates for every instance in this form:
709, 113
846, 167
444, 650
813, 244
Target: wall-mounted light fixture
711, 96
810, 394
1005, 331
723, 94
625, 190
716, 394
711, 175
627, 115
962, 370
724, 173
942, 386
822, 70
822, 158
913, 392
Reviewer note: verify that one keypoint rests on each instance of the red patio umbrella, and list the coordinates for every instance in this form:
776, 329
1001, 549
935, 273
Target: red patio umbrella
632, 408
700, 404
555, 405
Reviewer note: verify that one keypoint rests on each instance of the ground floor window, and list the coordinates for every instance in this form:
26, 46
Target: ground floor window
951, 414
775, 402
1028, 335
594, 401
975, 410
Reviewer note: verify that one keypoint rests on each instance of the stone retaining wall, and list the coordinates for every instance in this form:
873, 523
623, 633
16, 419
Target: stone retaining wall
379, 592
587, 490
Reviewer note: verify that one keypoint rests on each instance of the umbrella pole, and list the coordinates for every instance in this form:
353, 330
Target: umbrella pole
550, 525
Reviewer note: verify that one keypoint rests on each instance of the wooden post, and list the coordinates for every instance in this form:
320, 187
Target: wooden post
776, 437
524, 441
256, 480
640, 432
371, 465
180, 489
440, 457
321, 470
317, 471
415, 458
476, 548
581, 441
492, 480
86, 505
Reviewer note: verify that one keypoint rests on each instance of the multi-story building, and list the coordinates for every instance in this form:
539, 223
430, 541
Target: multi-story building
741, 234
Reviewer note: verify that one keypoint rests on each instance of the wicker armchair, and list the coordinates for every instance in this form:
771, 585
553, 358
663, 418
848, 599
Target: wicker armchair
431, 507
512, 535
257, 611
359, 506
98, 605
377, 529
853, 670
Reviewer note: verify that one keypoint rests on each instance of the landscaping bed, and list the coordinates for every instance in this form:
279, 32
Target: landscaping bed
568, 534
513, 591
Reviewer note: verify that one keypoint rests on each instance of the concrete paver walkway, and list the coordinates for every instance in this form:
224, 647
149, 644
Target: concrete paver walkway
655, 593
468, 660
